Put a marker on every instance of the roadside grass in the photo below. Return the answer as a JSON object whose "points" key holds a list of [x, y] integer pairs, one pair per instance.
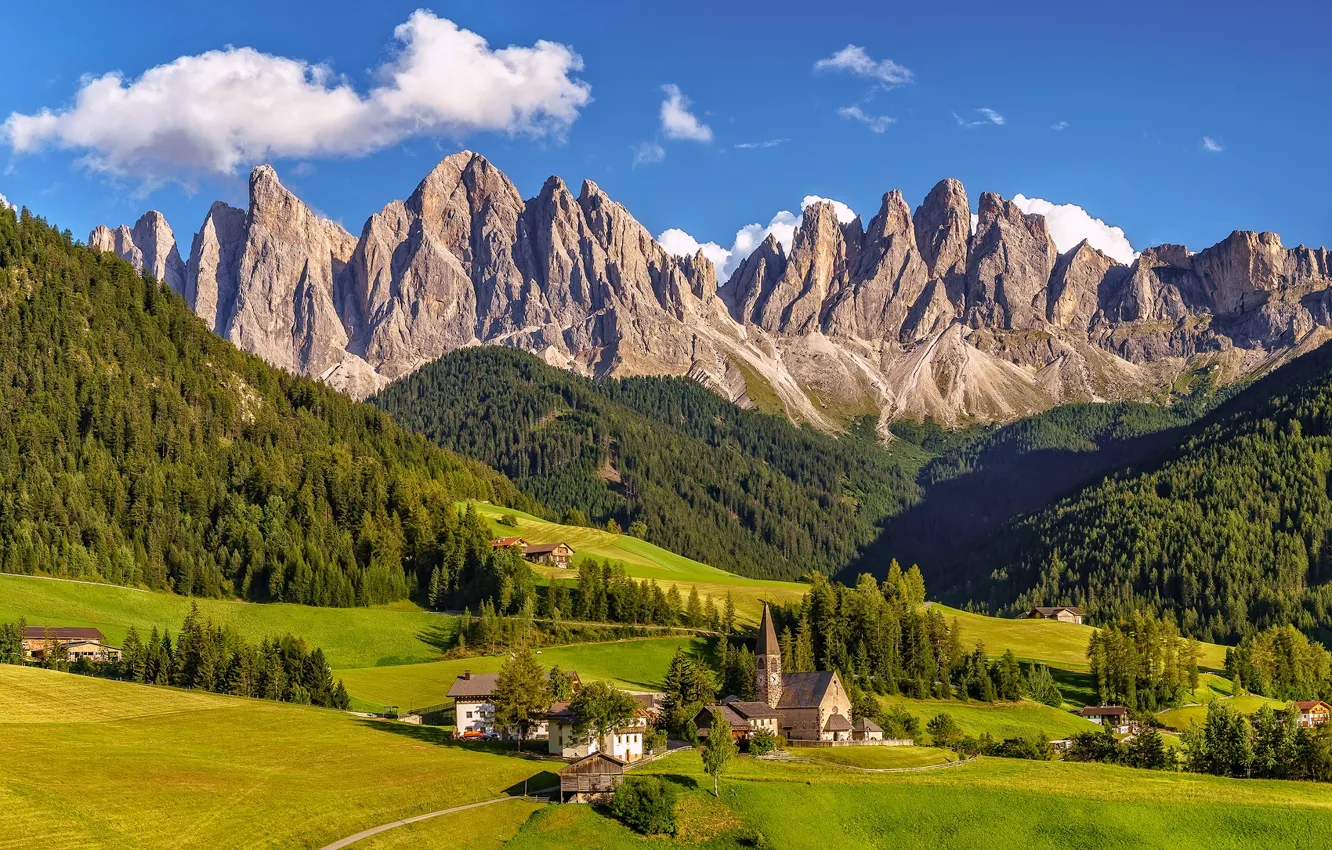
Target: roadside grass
{"points": [[1180, 718], [485, 828], [644, 560], [876, 758], [1000, 719], [93, 763], [399, 633], [635, 664]]}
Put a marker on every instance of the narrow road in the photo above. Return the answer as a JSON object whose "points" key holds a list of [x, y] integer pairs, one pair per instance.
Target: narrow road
{"points": [[352, 839]]}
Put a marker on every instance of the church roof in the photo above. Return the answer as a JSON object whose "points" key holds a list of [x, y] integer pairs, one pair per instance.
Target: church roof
{"points": [[767, 636], [837, 723], [805, 690]]}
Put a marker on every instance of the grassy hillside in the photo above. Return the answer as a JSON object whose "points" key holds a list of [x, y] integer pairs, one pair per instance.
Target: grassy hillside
{"points": [[91, 763], [646, 560], [1180, 718], [1000, 719]]}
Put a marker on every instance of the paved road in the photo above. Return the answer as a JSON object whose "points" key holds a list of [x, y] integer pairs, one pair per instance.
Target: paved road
{"points": [[352, 839]]}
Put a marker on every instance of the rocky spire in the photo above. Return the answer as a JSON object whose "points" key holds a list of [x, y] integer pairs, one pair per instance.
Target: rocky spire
{"points": [[1009, 267], [816, 269], [943, 233], [213, 271], [150, 247]]}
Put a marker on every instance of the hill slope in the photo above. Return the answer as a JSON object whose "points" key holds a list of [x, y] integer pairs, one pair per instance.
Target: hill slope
{"points": [[1226, 531], [142, 449], [741, 490]]}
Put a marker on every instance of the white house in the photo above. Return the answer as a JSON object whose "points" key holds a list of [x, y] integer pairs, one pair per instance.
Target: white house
{"points": [[625, 743], [1113, 717], [474, 707]]}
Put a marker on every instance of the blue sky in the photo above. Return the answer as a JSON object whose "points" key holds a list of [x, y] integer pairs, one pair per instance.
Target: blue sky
{"points": [[1136, 88]]}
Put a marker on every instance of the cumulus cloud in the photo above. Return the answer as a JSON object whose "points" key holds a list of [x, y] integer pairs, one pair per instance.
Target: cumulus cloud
{"points": [[1070, 224], [648, 153], [677, 122], [1212, 145], [5, 204], [1061, 125], [855, 60], [782, 226], [225, 109], [876, 123], [988, 117], [754, 146]]}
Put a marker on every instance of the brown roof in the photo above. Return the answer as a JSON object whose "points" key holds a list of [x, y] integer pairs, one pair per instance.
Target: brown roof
{"points": [[733, 718], [474, 685], [62, 633], [864, 724], [545, 548], [1308, 705], [1103, 711], [804, 690], [1054, 609], [589, 764], [767, 636], [837, 723], [751, 710]]}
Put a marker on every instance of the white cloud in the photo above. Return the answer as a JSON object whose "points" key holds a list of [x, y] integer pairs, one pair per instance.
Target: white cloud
{"points": [[677, 122], [988, 117], [1069, 224], [754, 146], [782, 226], [855, 60], [876, 123], [648, 153], [225, 109], [5, 204], [1212, 145], [1062, 125]]}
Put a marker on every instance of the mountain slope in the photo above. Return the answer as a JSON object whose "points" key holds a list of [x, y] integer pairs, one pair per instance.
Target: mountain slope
{"points": [[140, 448], [1227, 531], [741, 490], [908, 316]]}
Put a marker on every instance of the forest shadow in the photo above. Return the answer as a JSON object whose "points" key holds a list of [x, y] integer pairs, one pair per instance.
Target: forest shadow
{"points": [[440, 637], [442, 736]]}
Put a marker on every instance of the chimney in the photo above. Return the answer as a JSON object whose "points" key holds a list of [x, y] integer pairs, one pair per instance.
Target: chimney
{"points": [[467, 675]]}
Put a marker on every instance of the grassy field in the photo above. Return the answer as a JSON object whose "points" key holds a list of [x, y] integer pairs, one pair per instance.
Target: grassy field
{"points": [[1000, 719], [350, 637], [1180, 718], [634, 664], [93, 763], [484, 828], [875, 758], [645, 560], [993, 803]]}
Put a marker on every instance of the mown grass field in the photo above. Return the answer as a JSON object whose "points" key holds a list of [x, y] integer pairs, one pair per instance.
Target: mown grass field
{"points": [[645, 560], [634, 664], [1000, 719], [992, 803], [483, 828], [875, 758], [350, 637], [87, 763]]}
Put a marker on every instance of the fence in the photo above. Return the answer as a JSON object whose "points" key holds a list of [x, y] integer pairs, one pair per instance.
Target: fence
{"points": [[886, 742]]}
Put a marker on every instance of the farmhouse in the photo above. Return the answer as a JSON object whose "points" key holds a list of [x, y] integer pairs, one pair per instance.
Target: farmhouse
{"points": [[592, 778], [745, 718], [625, 743], [1062, 613], [510, 543], [1313, 713], [1113, 717], [474, 706], [81, 643], [554, 554]]}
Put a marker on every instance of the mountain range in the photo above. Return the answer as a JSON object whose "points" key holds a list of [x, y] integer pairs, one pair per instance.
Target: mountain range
{"points": [[913, 315]]}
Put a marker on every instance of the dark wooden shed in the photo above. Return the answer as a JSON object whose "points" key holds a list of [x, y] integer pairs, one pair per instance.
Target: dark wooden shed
{"points": [[591, 778]]}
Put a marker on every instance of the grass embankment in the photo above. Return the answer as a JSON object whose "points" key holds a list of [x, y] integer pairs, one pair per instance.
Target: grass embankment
{"points": [[645, 560], [996, 803], [638, 665], [94, 763], [350, 637]]}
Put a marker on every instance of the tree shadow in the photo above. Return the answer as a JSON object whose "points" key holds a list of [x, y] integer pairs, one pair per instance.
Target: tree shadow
{"points": [[441, 636], [1077, 688], [442, 736]]}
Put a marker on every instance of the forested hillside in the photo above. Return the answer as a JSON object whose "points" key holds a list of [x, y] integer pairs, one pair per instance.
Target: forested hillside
{"points": [[1228, 531], [741, 490], [137, 447]]}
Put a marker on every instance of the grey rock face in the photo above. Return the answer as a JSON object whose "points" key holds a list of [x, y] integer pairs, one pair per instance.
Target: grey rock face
{"points": [[212, 274], [150, 247], [1009, 267]]}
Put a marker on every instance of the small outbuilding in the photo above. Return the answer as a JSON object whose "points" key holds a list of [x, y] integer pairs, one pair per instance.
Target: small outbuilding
{"points": [[865, 729], [591, 779]]}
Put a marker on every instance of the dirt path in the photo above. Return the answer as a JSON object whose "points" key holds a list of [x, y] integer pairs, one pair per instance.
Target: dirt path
{"points": [[366, 833]]}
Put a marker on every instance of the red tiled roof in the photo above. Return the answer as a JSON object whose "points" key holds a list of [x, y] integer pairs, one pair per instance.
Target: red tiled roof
{"points": [[1309, 705]]}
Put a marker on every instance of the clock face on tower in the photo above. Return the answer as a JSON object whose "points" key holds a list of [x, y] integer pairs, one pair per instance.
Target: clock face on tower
{"points": [[774, 677]]}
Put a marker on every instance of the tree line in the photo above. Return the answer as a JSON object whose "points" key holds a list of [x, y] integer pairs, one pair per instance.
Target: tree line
{"points": [[1142, 663], [1281, 663]]}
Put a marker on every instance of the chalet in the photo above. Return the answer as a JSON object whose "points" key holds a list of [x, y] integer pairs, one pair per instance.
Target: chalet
{"points": [[865, 729], [592, 778], [744, 717], [1313, 713], [517, 543], [473, 697], [555, 554], [625, 743], [1113, 717], [98, 653], [1062, 613], [38, 639]]}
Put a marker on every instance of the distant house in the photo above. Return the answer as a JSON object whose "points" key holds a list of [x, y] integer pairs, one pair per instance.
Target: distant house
{"points": [[865, 729], [554, 554], [1113, 717], [81, 643], [473, 697], [592, 778], [1313, 713], [510, 543], [1062, 613], [563, 739]]}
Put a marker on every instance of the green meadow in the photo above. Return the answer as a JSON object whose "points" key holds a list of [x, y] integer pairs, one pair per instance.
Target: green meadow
{"points": [[1180, 718], [93, 763], [1000, 719]]}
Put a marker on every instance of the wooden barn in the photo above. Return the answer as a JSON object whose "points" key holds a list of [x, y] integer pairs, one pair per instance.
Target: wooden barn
{"points": [[592, 779]]}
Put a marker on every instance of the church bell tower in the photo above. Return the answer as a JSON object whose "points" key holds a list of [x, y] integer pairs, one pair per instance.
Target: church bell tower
{"points": [[768, 662]]}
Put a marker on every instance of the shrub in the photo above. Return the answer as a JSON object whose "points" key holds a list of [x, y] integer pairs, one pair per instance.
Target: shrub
{"points": [[646, 804], [509, 520], [899, 723], [654, 741], [1034, 747], [944, 731], [762, 742]]}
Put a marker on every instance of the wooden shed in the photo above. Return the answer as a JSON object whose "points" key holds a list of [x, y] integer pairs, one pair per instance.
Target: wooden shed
{"points": [[593, 778]]}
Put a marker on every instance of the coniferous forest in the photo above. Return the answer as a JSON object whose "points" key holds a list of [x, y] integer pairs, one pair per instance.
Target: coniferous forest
{"points": [[139, 448]]}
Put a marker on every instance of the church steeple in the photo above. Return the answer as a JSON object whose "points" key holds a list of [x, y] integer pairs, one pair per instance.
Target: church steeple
{"points": [[768, 662]]}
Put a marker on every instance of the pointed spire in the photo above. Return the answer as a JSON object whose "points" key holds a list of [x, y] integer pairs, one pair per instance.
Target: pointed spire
{"points": [[767, 636]]}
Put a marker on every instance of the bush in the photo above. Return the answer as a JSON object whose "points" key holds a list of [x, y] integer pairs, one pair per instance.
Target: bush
{"points": [[646, 804], [1034, 747], [654, 741], [762, 742], [899, 723], [510, 520], [944, 731]]}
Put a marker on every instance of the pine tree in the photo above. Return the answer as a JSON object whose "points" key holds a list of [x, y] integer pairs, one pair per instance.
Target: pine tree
{"points": [[522, 694]]}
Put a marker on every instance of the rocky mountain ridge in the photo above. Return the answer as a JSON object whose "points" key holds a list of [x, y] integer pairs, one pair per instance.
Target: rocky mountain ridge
{"points": [[911, 315]]}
